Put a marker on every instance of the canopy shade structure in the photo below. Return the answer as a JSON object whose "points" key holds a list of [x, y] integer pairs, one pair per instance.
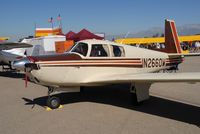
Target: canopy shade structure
{"points": [[69, 35], [84, 34]]}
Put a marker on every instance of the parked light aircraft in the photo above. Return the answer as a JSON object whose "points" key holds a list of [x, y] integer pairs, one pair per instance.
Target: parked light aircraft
{"points": [[3, 39], [149, 40], [100, 62], [158, 41], [10, 51]]}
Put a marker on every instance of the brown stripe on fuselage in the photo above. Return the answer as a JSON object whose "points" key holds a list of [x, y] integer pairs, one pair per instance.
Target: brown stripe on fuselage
{"points": [[93, 62], [174, 61], [57, 57], [113, 58], [76, 60], [101, 65], [72, 56]]}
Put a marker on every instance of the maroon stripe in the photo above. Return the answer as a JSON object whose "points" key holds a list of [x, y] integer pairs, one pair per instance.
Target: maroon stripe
{"points": [[57, 57], [107, 58], [69, 57], [128, 66], [114, 62]]}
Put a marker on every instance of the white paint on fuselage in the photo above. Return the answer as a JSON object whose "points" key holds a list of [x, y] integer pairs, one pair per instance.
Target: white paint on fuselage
{"points": [[7, 56], [81, 75]]}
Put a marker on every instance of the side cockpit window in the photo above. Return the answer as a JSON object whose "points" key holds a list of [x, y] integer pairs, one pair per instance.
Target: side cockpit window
{"points": [[81, 48], [99, 50], [117, 51]]}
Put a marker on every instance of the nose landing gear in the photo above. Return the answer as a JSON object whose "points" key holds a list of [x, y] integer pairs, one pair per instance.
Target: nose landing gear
{"points": [[53, 102]]}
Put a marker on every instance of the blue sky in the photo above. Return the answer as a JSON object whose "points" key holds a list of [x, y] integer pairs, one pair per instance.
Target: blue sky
{"points": [[109, 16]]}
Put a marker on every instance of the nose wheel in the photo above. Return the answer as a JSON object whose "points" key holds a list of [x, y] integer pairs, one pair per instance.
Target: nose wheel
{"points": [[53, 102]]}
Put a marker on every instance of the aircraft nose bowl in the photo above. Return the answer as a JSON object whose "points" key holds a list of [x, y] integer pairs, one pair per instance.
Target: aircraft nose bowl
{"points": [[20, 64]]}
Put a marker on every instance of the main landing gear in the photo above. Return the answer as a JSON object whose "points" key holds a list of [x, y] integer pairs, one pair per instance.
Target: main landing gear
{"points": [[134, 99], [139, 92], [53, 102]]}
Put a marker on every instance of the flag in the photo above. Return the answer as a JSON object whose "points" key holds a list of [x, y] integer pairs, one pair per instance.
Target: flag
{"points": [[59, 17], [50, 20]]}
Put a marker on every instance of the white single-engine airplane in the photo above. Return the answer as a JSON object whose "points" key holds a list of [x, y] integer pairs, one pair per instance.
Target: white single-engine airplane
{"points": [[10, 51], [100, 62]]}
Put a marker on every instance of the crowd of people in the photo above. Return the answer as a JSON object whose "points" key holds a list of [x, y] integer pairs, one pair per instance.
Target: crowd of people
{"points": [[193, 47]]}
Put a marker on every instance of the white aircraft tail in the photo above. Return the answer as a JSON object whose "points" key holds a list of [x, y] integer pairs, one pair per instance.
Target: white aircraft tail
{"points": [[35, 50]]}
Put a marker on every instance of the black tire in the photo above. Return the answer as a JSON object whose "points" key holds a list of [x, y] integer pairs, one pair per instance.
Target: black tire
{"points": [[53, 102], [134, 99], [82, 89]]}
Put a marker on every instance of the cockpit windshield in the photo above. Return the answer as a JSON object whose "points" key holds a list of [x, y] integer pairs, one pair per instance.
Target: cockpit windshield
{"points": [[81, 48]]}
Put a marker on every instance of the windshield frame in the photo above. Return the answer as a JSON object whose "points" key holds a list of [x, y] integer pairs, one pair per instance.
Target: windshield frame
{"points": [[81, 51]]}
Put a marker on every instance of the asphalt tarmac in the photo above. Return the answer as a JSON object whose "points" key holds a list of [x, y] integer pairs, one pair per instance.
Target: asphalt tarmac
{"points": [[173, 108]]}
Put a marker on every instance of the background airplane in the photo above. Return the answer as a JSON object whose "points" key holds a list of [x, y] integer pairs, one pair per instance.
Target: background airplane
{"points": [[100, 62], [187, 42], [10, 51], [147, 40], [2, 39]]}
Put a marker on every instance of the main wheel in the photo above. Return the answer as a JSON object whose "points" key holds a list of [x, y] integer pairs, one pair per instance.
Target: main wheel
{"points": [[82, 89], [134, 99], [53, 102]]}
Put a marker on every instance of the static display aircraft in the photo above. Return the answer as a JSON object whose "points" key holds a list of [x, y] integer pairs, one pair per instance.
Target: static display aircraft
{"points": [[10, 51], [99, 62], [2, 39]]}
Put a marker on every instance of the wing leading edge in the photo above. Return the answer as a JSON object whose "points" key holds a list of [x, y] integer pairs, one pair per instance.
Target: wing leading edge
{"points": [[147, 78], [11, 45]]}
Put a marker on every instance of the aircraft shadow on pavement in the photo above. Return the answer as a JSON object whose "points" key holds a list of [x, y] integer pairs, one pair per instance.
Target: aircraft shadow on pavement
{"points": [[11, 74], [120, 97]]}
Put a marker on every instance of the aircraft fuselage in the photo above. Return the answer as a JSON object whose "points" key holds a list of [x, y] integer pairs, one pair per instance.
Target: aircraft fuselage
{"points": [[75, 69]]}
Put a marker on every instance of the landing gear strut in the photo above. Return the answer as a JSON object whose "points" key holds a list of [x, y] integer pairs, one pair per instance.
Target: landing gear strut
{"points": [[134, 99], [53, 102], [139, 92]]}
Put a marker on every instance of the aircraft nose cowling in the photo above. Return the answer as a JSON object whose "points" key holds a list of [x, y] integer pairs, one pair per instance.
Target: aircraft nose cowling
{"points": [[20, 64]]}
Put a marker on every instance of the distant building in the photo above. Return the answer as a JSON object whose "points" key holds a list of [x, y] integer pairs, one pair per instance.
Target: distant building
{"points": [[43, 45]]}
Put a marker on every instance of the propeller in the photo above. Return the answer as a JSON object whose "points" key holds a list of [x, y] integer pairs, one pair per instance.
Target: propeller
{"points": [[28, 67]]}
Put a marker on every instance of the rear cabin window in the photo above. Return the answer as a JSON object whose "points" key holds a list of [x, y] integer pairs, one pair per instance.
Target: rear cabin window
{"points": [[117, 51], [99, 50], [81, 48]]}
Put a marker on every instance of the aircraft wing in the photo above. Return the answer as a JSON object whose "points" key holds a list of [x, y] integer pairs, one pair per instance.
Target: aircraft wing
{"points": [[11, 45], [184, 55], [147, 78]]}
